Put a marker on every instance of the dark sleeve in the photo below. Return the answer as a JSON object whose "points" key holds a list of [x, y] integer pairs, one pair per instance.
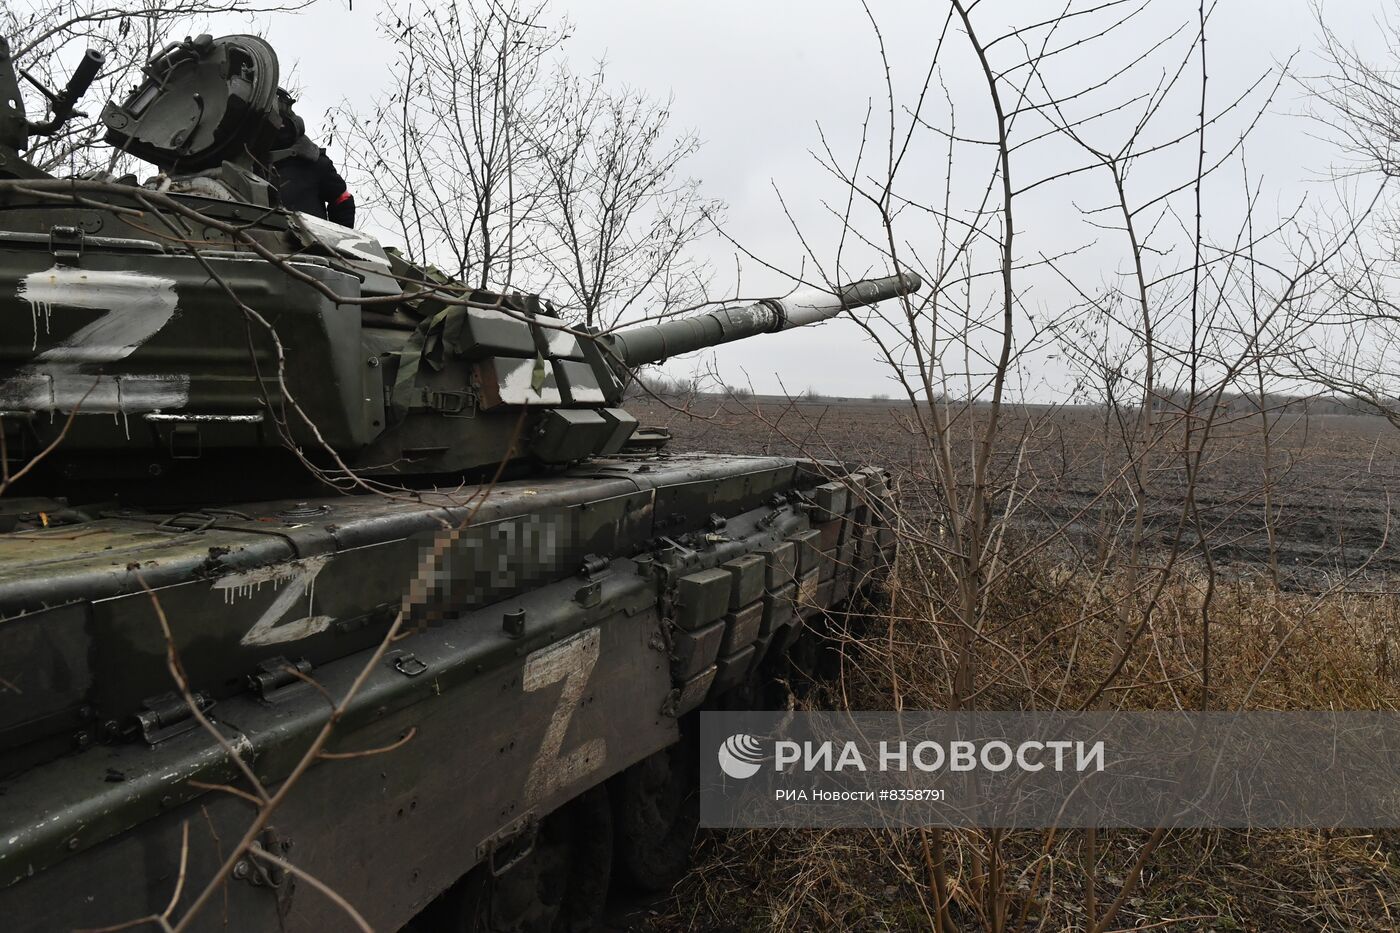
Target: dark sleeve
{"points": [[340, 203]]}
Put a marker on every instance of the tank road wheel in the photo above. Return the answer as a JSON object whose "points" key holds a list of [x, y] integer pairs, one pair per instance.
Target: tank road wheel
{"points": [[657, 813], [560, 886]]}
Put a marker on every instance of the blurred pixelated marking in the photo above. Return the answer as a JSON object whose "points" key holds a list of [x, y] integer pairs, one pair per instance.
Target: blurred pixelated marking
{"points": [[571, 661], [300, 579], [505, 556]]}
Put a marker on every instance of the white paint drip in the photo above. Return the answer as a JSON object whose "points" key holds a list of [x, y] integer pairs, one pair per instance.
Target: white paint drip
{"points": [[105, 393], [36, 310], [137, 306], [300, 579]]}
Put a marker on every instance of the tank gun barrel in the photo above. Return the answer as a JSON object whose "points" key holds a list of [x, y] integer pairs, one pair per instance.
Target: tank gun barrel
{"points": [[651, 343]]}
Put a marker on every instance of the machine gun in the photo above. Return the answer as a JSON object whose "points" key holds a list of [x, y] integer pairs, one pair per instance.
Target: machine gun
{"points": [[16, 128]]}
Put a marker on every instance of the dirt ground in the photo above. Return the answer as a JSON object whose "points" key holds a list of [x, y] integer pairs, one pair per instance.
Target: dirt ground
{"points": [[1331, 486]]}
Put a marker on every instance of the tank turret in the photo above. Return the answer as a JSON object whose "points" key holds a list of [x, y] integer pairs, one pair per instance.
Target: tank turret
{"points": [[188, 329]]}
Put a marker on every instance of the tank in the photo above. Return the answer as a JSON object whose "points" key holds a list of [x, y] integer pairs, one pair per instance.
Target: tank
{"points": [[320, 572]]}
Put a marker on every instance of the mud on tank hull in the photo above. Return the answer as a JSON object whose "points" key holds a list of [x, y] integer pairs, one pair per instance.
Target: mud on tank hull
{"points": [[564, 637]]}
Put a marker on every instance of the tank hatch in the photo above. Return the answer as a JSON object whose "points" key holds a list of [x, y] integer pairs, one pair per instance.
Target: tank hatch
{"points": [[204, 101]]}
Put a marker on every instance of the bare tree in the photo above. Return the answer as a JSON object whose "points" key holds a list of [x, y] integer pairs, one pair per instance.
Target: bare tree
{"points": [[496, 162], [1350, 347], [619, 220], [445, 153]]}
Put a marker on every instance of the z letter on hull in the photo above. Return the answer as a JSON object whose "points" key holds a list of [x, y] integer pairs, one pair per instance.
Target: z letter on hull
{"points": [[137, 306], [571, 661], [297, 581]]}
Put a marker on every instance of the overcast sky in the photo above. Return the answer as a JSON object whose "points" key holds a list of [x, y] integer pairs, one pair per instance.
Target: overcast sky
{"points": [[754, 79]]}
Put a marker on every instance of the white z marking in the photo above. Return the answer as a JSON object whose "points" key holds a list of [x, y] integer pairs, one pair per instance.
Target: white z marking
{"points": [[137, 306], [571, 661], [300, 579]]}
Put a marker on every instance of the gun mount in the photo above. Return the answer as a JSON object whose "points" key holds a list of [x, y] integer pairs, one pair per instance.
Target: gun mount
{"points": [[16, 128]]}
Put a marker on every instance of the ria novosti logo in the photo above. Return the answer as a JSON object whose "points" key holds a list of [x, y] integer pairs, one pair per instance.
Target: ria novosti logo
{"points": [[740, 756]]}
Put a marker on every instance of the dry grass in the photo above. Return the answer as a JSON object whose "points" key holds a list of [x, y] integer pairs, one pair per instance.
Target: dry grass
{"points": [[1056, 627], [1272, 650], [1196, 880]]}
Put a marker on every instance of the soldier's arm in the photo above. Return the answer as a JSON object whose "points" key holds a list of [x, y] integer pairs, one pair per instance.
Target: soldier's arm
{"points": [[340, 203]]}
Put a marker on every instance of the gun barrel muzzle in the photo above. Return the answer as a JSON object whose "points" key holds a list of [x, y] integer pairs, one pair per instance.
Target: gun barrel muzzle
{"points": [[812, 305], [83, 75], [652, 343]]}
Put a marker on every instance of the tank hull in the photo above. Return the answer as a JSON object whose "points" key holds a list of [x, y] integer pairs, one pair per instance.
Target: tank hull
{"points": [[565, 629]]}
